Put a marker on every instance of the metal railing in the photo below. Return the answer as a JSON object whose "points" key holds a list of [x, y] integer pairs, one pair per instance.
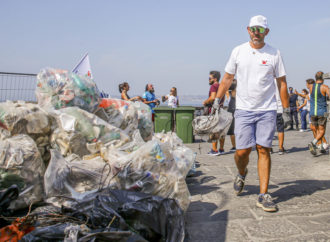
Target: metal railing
{"points": [[17, 86]]}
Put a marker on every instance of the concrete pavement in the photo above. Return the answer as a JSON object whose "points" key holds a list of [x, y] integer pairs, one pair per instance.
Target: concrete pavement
{"points": [[299, 184]]}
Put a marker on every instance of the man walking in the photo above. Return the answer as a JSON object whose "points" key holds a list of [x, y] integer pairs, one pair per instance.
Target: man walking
{"points": [[293, 108], [318, 110], [255, 65], [214, 78]]}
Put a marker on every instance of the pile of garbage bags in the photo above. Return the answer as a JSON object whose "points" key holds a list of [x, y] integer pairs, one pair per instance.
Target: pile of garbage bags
{"points": [[96, 160]]}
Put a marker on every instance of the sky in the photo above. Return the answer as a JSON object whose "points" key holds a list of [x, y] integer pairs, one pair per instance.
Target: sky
{"points": [[166, 43]]}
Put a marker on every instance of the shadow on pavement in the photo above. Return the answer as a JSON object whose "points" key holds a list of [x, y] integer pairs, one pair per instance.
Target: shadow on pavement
{"points": [[299, 188], [195, 185], [252, 189], [297, 149], [202, 224]]}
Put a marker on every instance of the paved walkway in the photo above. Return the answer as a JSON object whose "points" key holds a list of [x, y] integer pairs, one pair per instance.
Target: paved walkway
{"points": [[299, 184]]}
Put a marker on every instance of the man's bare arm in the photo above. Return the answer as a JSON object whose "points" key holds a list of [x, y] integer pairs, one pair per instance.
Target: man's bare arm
{"points": [[325, 90], [210, 99], [224, 84], [283, 89]]}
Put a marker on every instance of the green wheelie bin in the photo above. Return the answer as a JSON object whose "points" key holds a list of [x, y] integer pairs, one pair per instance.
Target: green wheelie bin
{"points": [[184, 117], [163, 119]]}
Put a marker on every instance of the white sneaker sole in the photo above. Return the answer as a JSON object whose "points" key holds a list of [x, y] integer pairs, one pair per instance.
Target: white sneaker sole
{"points": [[266, 209]]}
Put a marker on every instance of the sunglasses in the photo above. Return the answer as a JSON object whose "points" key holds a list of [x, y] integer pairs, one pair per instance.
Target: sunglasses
{"points": [[261, 30]]}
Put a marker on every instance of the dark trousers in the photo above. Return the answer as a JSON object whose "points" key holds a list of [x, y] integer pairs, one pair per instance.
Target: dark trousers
{"points": [[303, 115], [294, 115]]}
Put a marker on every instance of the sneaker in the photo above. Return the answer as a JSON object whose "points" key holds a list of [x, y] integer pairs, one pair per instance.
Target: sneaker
{"points": [[322, 150], [214, 153], [233, 149], [239, 183], [281, 151], [312, 148], [325, 146], [301, 130], [265, 202], [221, 152]]}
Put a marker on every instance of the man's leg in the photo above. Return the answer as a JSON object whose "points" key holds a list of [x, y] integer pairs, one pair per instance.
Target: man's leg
{"points": [[291, 115], [232, 138], [222, 144], [313, 128], [280, 140], [295, 114], [245, 140], [215, 146], [265, 130], [242, 160], [317, 138], [280, 131], [320, 132], [264, 165]]}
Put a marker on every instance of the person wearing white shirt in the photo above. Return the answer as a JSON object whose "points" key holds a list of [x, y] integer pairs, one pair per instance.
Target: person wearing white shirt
{"points": [[256, 65], [172, 98]]}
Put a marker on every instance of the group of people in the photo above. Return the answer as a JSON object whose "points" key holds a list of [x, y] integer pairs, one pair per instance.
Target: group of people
{"points": [[149, 98], [254, 84], [263, 105]]}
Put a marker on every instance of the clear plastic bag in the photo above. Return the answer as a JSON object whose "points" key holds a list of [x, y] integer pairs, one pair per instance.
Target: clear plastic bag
{"points": [[182, 155], [121, 114], [214, 126], [150, 169], [60, 88], [77, 178], [82, 133], [145, 124], [21, 164], [24, 118]]}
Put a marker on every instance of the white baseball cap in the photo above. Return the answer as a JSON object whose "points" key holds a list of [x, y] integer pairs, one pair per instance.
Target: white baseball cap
{"points": [[258, 20]]}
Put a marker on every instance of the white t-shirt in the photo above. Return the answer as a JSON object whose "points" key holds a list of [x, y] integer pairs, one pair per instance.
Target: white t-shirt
{"points": [[278, 100], [172, 101], [255, 71], [308, 103]]}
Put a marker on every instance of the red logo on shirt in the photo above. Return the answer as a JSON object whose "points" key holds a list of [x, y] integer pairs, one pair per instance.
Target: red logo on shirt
{"points": [[264, 62]]}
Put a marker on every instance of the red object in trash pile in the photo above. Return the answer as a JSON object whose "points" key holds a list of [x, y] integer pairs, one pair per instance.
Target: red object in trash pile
{"points": [[15, 231]]}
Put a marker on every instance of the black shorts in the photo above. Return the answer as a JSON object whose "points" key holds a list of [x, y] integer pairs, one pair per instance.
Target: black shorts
{"points": [[319, 120], [231, 128], [279, 123]]}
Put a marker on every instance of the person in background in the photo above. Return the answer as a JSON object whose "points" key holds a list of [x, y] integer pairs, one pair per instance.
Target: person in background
{"points": [[214, 78], [322, 142], [172, 98], [280, 124], [303, 110], [231, 109], [319, 93], [293, 108], [149, 98], [123, 89]]}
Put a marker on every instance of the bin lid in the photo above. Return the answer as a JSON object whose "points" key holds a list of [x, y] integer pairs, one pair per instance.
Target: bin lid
{"points": [[185, 108], [164, 109]]}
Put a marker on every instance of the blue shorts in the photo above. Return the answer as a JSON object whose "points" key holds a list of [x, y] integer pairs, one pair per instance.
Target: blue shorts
{"points": [[254, 127]]}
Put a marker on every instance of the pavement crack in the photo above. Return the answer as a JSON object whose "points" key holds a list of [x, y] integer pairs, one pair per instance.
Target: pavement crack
{"points": [[296, 226], [230, 172], [255, 215]]}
